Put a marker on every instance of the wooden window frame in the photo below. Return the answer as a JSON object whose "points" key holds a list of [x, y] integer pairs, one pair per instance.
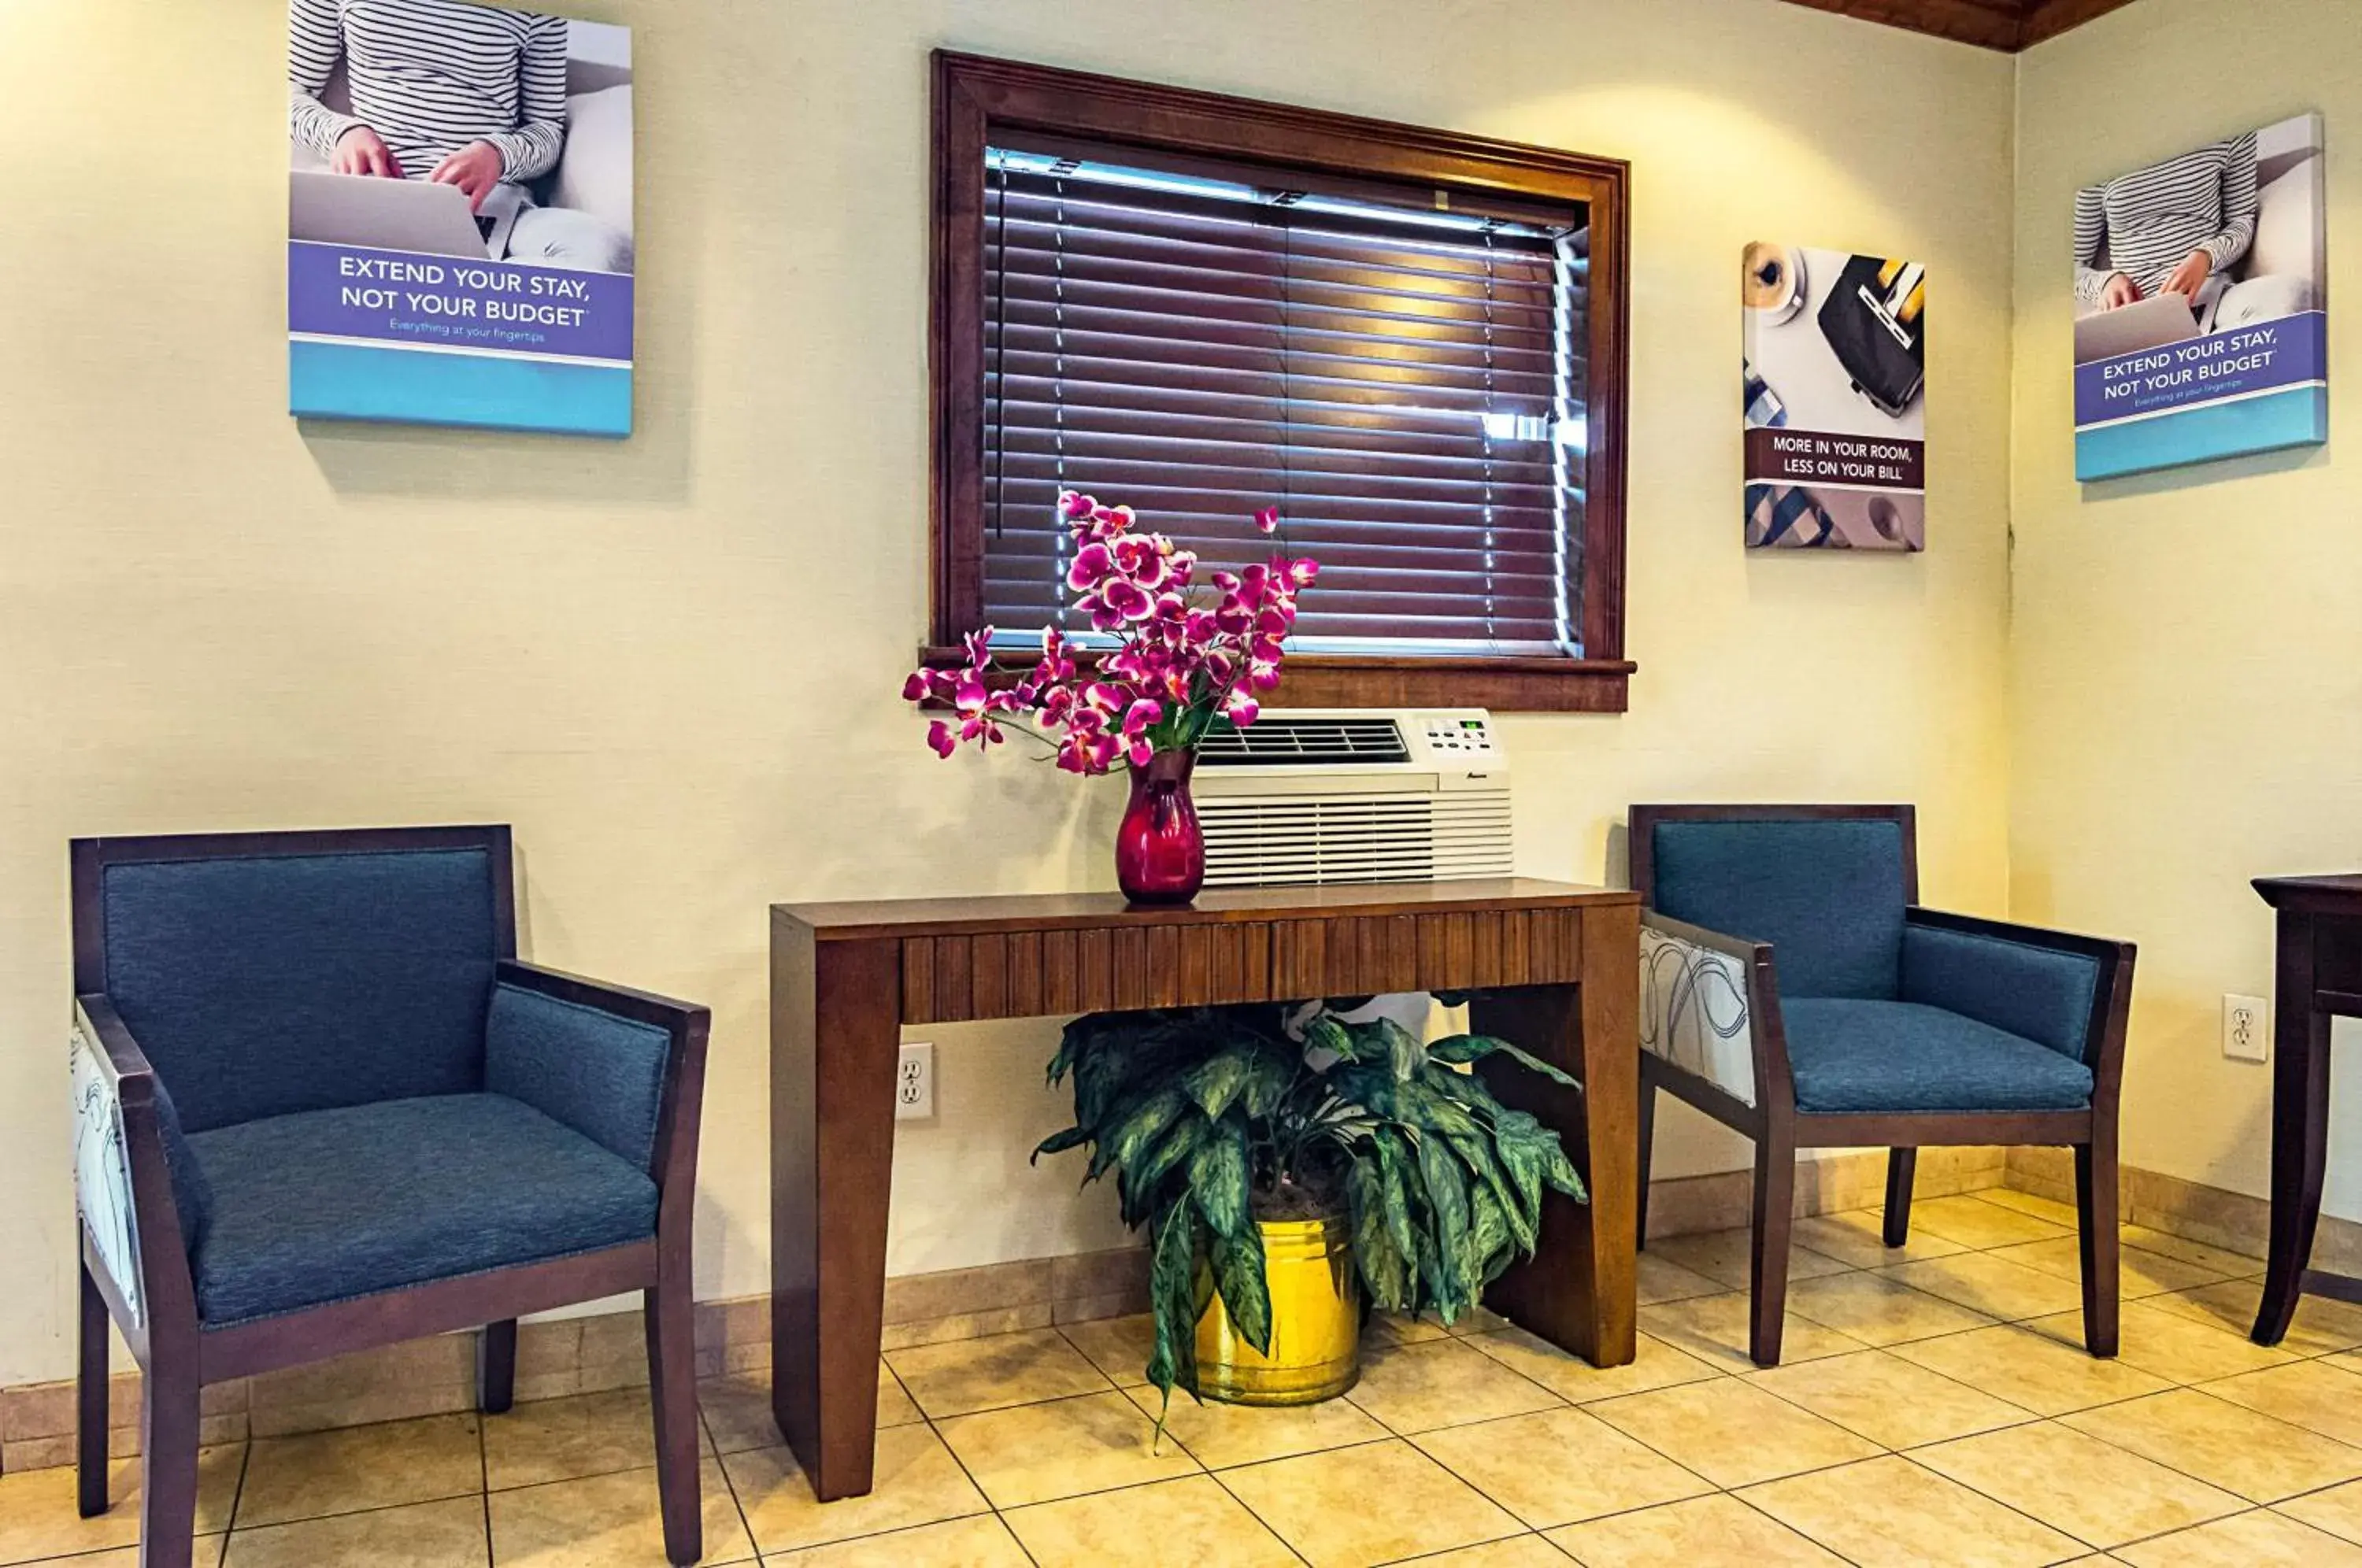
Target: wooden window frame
{"points": [[975, 96]]}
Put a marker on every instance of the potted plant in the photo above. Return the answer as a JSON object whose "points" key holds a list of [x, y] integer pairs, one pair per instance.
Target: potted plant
{"points": [[1167, 659], [1283, 1174]]}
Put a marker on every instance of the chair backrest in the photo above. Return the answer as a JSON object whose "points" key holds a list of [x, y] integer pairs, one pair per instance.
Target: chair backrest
{"points": [[1827, 885], [265, 974]]}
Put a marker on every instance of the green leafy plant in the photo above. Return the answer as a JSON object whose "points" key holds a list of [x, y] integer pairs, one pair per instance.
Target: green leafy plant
{"points": [[1214, 1118]]}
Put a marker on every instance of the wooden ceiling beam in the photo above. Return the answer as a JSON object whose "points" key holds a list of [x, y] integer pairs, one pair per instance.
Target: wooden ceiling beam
{"points": [[2005, 25]]}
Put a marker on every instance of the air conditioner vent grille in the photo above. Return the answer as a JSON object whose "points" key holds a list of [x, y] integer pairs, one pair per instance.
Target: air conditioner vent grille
{"points": [[1312, 841], [1281, 741]]}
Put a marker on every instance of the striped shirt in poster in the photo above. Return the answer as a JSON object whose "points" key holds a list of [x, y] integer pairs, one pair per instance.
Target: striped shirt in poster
{"points": [[430, 76], [2151, 220]]}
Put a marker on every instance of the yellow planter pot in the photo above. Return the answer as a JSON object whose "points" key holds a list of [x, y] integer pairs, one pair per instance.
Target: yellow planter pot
{"points": [[1316, 1323]]}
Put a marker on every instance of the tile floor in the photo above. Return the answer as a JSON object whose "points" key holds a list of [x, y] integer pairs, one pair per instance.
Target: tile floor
{"points": [[1935, 1408]]}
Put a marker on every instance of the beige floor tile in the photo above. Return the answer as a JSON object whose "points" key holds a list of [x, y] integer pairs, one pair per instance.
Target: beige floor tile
{"points": [[2314, 1394], [1518, 1551], [1417, 1387], [1891, 1513], [38, 1517], [1559, 1467], [1732, 1434], [2030, 1370], [1714, 1330], [561, 1440], [2138, 1273], [917, 1482], [1478, 1319], [1974, 1222], [614, 1520], [1353, 1507], [1723, 1257], [1878, 1311], [1119, 1347], [1661, 1279], [1858, 1237], [1033, 1454], [965, 1376], [360, 1467], [982, 1542], [2178, 1349], [1393, 1328], [2245, 1542], [2096, 1493], [1655, 1365], [2239, 1450], [1221, 1435], [2227, 1265], [1986, 1282], [1892, 1402], [447, 1534], [2050, 1208], [1717, 1531], [1191, 1520], [2337, 1509], [739, 1409], [2321, 1327]]}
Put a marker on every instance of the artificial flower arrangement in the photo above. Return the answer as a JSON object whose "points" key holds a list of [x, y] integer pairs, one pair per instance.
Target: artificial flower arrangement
{"points": [[1187, 653]]}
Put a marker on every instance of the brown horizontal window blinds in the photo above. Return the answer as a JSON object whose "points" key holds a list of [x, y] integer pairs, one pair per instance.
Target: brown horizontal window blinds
{"points": [[1408, 389]]}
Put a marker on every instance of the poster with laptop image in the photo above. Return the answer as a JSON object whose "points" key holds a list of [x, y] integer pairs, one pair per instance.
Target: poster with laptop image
{"points": [[459, 216], [1835, 381], [2201, 329]]}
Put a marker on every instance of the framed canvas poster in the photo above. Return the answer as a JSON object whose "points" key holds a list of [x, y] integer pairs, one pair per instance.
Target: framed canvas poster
{"points": [[2201, 306], [459, 243], [1835, 377]]}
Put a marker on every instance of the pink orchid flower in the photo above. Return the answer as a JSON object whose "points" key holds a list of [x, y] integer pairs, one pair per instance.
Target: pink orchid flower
{"points": [[1266, 519]]}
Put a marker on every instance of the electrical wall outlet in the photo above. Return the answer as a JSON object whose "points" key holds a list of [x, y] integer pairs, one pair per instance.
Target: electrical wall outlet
{"points": [[2245, 1022], [914, 1083]]}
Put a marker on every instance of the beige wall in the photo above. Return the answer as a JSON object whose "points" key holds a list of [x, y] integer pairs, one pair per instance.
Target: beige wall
{"points": [[2186, 648], [672, 663]]}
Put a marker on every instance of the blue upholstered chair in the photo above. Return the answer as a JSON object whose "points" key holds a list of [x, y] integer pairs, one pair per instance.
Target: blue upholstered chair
{"points": [[1882, 1024], [322, 1107]]}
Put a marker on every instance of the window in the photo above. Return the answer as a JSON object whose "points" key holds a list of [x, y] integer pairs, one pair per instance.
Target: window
{"points": [[1409, 341]]}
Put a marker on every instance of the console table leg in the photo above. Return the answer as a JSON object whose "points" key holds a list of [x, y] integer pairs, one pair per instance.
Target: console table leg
{"points": [[2299, 1153], [835, 1028], [1578, 1290]]}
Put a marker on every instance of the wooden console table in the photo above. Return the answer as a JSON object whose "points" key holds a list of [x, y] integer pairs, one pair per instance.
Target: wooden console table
{"points": [[1559, 963], [2317, 976]]}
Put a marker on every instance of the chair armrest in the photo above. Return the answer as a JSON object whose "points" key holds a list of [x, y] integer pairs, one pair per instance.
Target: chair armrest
{"points": [[1700, 993], [138, 1189], [2070, 992], [625, 1069]]}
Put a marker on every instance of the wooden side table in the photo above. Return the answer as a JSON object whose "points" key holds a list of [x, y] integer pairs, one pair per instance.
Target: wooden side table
{"points": [[1559, 964], [2317, 976]]}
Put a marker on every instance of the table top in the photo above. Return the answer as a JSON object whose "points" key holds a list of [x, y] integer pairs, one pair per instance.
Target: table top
{"points": [[2336, 894], [863, 919]]}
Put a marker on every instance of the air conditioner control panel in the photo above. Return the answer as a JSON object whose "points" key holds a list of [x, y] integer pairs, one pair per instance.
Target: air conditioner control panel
{"points": [[1466, 734]]}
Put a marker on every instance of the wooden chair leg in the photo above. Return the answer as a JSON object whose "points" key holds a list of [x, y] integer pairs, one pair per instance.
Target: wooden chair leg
{"points": [[1648, 1145], [496, 1367], [90, 1401], [2095, 1205], [1775, 1209], [1901, 1165], [168, 1458], [672, 1390]]}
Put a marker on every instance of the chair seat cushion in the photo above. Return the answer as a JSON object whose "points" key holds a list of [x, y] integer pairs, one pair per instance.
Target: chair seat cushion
{"points": [[1852, 1055], [326, 1205]]}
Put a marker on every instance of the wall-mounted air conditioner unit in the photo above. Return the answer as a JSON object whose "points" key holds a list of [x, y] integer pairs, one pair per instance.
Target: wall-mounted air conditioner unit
{"points": [[1310, 795]]}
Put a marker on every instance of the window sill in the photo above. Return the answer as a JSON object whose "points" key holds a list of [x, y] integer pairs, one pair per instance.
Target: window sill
{"points": [[1527, 685]]}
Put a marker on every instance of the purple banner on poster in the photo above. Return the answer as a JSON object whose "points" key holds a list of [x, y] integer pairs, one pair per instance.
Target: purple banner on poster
{"points": [[2232, 362], [442, 301]]}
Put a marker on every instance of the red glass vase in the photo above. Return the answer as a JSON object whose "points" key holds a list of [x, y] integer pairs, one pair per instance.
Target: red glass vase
{"points": [[1160, 851]]}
